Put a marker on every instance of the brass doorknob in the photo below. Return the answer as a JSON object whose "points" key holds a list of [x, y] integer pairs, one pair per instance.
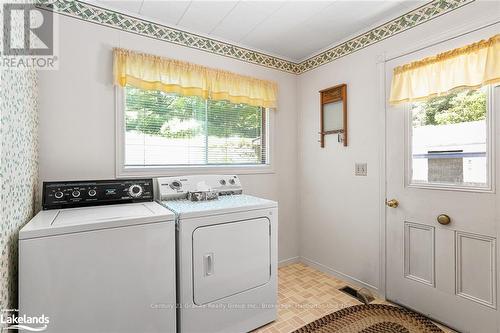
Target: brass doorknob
{"points": [[443, 219], [393, 203]]}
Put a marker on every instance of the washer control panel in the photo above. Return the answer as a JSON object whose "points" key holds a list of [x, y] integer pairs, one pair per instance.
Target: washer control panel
{"points": [[96, 192], [169, 188]]}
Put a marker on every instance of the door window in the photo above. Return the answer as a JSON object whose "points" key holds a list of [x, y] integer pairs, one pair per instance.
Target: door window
{"points": [[449, 141]]}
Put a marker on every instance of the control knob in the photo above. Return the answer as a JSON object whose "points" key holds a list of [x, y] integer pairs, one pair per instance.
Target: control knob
{"points": [[175, 185], [75, 193], [92, 193], [135, 191], [58, 195]]}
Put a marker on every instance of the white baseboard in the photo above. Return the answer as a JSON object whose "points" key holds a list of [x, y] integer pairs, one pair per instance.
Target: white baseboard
{"points": [[328, 270], [288, 261], [339, 275]]}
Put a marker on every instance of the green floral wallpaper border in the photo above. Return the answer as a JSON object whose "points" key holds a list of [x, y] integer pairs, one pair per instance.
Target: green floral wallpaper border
{"points": [[95, 14]]}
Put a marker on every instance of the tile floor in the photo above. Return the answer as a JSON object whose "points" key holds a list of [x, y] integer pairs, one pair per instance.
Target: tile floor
{"points": [[306, 294]]}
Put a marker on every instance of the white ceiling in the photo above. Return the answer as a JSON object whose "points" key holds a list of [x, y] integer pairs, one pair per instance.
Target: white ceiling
{"points": [[293, 30]]}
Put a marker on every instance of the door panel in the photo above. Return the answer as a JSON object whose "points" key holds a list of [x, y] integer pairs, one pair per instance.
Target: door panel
{"points": [[419, 253], [230, 258], [476, 267], [442, 166]]}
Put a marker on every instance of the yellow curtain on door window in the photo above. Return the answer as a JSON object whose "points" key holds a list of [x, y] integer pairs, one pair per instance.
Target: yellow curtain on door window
{"points": [[470, 66], [151, 72]]}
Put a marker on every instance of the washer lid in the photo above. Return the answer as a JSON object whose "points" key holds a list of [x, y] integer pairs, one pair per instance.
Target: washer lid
{"points": [[223, 205], [70, 220]]}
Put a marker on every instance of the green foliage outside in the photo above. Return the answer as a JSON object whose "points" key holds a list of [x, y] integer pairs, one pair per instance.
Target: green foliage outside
{"points": [[172, 116], [456, 107]]}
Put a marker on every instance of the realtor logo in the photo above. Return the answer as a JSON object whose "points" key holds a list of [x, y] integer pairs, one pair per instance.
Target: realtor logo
{"points": [[36, 36], [11, 320], [28, 36]]}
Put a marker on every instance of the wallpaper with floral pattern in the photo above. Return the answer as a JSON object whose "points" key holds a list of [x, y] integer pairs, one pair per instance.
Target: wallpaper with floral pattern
{"points": [[18, 170]]}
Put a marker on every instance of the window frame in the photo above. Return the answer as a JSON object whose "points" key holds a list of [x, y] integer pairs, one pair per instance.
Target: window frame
{"points": [[490, 152], [121, 170]]}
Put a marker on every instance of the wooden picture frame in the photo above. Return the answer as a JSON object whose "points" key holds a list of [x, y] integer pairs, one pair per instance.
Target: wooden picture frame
{"points": [[333, 113]]}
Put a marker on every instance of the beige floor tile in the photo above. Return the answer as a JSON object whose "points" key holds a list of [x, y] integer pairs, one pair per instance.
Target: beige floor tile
{"points": [[306, 294]]}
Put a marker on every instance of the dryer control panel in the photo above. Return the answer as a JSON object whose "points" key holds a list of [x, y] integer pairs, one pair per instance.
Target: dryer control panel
{"points": [[169, 188], [58, 195]]}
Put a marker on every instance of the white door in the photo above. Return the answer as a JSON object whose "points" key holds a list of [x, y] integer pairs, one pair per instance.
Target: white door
{"points": [[440, 161]]}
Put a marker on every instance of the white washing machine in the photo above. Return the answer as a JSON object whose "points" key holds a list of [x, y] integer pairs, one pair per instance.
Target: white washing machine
{"points": [[226, 254], [99, 268]]}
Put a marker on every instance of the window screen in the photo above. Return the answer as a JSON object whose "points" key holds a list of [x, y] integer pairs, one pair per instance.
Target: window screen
{"points": [[169, 130]]}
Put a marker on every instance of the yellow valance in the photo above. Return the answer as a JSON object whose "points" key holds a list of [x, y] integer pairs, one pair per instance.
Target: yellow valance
{"points": [[470, 66], [151, 72]]}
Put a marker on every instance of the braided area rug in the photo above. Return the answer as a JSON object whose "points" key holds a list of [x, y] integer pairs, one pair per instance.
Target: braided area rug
{"points": [[371, 318]]}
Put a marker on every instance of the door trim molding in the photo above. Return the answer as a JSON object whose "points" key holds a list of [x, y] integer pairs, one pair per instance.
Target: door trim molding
{"points": [[450, 34], [381, 68]]}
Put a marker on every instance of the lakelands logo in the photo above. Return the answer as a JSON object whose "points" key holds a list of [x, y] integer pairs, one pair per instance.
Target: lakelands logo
{"points": [[28, 37], [11, 321]]}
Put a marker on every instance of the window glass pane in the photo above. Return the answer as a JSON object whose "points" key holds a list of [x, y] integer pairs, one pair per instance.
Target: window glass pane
{"points": [[234, 133], [449, 140], [163, 129], [168, 130]]}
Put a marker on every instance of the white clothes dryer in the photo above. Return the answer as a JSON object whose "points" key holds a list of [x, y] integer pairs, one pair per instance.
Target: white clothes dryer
{"points": [[226, 254]]}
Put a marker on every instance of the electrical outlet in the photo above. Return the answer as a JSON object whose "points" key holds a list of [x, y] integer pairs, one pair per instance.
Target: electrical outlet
{"points": [[360, 169]]}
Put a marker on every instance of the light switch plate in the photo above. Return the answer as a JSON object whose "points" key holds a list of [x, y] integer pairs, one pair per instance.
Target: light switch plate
{"points": [[360, 169]]}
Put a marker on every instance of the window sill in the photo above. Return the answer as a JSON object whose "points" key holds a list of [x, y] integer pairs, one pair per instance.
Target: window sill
{"points": [[162, 171]]}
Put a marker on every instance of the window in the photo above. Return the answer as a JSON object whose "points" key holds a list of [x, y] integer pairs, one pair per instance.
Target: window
{"points": [[449, 140], [167, 130]]}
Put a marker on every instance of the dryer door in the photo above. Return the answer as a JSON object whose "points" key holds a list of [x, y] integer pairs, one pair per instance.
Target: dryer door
{"points": [[230, 258]]}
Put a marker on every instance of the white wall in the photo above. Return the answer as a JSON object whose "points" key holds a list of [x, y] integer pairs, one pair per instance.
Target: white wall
{"points": [[335, 213], [77, 115], [339, 213]]}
